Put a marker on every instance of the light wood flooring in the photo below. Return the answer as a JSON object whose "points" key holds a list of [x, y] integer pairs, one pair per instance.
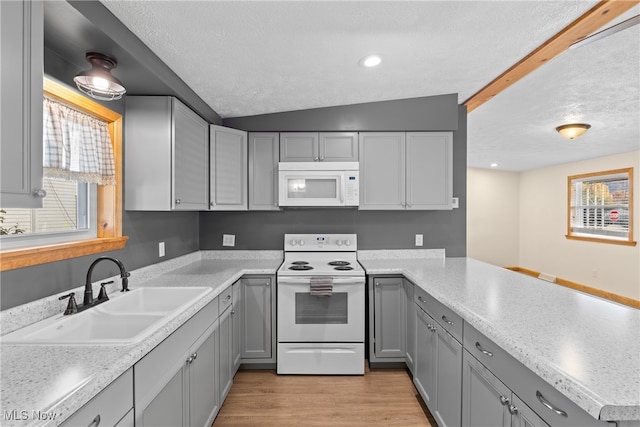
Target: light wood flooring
{"points": [[382, 397]]}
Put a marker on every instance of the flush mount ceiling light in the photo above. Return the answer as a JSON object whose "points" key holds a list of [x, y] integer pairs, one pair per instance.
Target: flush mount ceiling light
{"points": [[573, 130], [370, 61], [98, 82]]}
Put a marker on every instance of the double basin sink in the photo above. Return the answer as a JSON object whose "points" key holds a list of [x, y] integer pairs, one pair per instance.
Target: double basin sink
{"points": [[127, 318]]}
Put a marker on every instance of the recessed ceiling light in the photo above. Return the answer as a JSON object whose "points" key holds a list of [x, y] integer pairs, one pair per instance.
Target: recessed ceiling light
{"points": [[370, 61], [494, 165]]}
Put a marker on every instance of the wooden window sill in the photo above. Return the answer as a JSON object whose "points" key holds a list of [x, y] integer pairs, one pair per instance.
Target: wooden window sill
{"points": [[26, 257], [599, 240]]}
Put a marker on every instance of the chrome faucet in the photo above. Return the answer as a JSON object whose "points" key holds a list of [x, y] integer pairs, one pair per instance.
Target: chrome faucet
{"points": [[88, 289]]}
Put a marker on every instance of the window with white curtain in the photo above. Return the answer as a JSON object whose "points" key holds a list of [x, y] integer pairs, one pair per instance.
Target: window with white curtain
{"points": [[77, 155], [601, 205]]}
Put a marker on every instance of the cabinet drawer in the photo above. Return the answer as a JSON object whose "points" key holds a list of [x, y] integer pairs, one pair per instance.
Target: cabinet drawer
{"points": [[109, 406], [555, 408], [449, 320], [225, 299]]}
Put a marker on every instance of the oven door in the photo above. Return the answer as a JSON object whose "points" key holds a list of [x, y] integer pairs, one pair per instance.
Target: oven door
{"points": [[303, 317], [311, 188]]}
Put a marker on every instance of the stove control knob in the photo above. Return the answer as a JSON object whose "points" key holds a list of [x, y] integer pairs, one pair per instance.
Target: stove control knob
{"points": [[293, 242], [339, 242], [347, 242], [300, 242]]}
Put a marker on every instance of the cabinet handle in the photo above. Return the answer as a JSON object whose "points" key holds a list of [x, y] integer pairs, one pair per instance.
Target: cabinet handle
{"points": [[447, 320], [377, 284], [482, 350], [227, 298], [267, 284], [322, 158], [505, 400], [195, 356], [549, 406], [40, 192], [191, 358], [513, 409], [212, 204], [178, 201], [233, 312], [315, 159], [408, 205], [431, 327]]}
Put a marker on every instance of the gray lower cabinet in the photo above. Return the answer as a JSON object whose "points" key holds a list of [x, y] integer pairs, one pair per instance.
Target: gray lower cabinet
{"points": [[438, 369], [389, 308], [406, 171], [113, 406], [319, 147], [226, 353], [177, 383], [487, 401], [258, 320], [22, 62], [264, 155], [236, 329], [410, 325], [167, 155], [228, 169]]}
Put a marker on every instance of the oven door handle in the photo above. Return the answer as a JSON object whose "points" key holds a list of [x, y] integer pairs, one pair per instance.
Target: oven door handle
{"points": [[307, 281]]}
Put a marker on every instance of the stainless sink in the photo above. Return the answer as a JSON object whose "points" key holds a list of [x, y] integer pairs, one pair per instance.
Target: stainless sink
{"points": [[126, 319]]}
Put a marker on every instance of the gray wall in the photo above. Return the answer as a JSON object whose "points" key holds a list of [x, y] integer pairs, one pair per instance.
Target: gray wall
{"points": [[375, 229]]}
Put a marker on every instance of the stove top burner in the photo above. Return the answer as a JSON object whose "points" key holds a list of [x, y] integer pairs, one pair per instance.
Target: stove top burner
{"points": [[339, 263], [300, 267], [299, 263], [343, 268]]}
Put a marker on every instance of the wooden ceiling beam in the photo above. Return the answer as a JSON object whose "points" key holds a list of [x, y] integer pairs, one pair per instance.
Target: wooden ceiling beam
{"points": [[591, 21]]}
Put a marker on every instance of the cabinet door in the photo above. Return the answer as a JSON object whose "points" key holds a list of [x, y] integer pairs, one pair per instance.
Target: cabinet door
{"points": [[299, 147], [264, 154], [204, 378], [168, 407], [338, 146], [236, 316], [256, 318], [425, 365], [190, 134], [523, 416], [382, 170], [228, 169], [484, 396], [429, 170], [22, 59], [226, 354], [389, 317], [410, 326], [448, 379]]}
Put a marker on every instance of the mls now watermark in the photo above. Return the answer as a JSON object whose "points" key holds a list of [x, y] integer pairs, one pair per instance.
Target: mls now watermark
{"points": [[24, 415]]}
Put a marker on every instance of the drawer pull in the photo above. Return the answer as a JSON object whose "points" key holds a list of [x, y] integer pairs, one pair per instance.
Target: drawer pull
{"points": [[549, 406], [431, 327], [95, 422], [505, 400], [482, 350], [447, 320], [227, 298], [513, 410]]}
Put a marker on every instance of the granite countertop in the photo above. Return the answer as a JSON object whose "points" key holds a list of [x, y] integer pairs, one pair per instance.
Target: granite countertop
{"points": [[587, 347], [57, 380]]}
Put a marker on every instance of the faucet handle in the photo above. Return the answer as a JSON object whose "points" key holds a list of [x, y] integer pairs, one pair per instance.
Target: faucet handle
{"points": [[102, 296], [72, 307]]}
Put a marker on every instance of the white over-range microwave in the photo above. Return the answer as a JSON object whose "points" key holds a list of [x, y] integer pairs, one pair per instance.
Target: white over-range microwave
{"points": [[318, 184]]}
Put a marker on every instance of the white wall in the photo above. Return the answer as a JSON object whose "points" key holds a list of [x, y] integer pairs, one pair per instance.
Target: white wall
{"points": [[543, 226], [493, 216], [537, 240]]}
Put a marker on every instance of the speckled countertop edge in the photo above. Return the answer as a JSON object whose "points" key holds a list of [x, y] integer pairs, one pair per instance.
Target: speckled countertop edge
{"points": [[102, 364], [585, 398]]}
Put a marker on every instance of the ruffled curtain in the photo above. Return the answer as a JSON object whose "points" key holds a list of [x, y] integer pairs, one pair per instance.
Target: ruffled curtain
{"points": [[77, 146]]}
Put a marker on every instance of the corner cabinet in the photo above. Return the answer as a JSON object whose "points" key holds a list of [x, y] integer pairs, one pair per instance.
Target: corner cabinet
{"points": [[22, 62], [319, 147], [264, 154], [387, 308], [166, 155], [406, 171], [228, 177]]}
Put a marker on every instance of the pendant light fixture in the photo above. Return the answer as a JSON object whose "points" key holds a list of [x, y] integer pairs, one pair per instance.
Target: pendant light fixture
{"points": [[573, 130], [98, 82]]}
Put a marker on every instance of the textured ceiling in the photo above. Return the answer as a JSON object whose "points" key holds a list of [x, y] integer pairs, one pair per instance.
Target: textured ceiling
{"points": [[246, 58]]}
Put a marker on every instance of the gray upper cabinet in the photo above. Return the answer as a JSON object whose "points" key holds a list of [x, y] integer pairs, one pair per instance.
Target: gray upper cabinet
{"points": [[166, 155], [406, 171], [319, 147], [264, 154], [22, 59], [228, 169]]}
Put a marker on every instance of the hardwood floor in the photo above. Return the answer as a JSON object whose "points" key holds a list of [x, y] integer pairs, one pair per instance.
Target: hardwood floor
{"points": [[382, 397]]}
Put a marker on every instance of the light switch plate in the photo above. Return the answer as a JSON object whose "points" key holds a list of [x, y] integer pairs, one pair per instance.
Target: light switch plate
{"points": [[455, 203], [228, 240], [161, 249], [419, 241]]}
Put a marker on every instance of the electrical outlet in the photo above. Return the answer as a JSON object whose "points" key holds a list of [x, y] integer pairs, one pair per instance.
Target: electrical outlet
{"points": [[419, 240], [161, 249], [455, 203], [228, 240]]}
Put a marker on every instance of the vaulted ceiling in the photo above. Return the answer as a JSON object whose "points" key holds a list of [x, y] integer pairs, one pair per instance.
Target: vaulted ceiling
{"points": [[253, 57]]}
